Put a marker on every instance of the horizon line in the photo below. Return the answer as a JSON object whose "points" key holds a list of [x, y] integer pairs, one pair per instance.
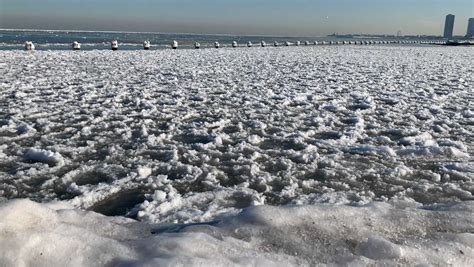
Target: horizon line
{"points": [[222, 34]]}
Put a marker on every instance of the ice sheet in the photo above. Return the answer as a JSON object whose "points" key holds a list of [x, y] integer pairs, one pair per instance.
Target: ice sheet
{"points": [[188, 136]]}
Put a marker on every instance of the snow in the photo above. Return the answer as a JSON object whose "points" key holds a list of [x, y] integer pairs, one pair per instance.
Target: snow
{"points": [[375, 234], [237, 136]]}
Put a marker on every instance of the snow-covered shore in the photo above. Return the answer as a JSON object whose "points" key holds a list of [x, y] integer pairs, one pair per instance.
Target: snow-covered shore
{"points": [[198, 136], [379, 234]]}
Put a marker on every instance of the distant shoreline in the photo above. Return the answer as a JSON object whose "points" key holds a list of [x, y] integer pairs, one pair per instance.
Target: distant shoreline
{"points": [[336, 36], [174, 33]]}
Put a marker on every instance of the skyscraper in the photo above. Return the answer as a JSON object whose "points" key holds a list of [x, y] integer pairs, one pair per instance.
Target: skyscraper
{"points": [[449, 26], [470, 28]]}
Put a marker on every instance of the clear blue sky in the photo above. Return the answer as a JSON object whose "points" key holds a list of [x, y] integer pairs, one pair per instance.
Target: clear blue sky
{"points": [[270, 17]]}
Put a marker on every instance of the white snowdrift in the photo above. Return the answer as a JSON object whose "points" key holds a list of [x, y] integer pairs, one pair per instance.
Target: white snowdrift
{"points": [[378, 233]]}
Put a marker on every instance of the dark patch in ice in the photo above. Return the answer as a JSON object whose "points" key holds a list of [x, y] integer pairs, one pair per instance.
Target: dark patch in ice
{"points": [[231, 129], [9, 167], [259, 187], [8, 134], [281, 143], [361, 106], [194, 138], [176, 228], [121, 203], [350, 120], [5, 121], [92, 178], [390, 101], [330, 135]]}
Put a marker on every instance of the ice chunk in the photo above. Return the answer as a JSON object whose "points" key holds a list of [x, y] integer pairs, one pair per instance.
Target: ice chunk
{"points": [[144, 171], [44, 156]]}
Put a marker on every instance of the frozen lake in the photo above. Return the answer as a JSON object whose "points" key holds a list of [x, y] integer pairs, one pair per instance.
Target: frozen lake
{"points": [[195, 136]]}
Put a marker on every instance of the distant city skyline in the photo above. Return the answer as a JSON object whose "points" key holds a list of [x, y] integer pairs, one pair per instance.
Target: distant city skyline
{"points": [[247, 17]]}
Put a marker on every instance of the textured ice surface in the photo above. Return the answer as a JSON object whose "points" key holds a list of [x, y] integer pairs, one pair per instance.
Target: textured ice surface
{"points": [[187, 136], [378, 234]]}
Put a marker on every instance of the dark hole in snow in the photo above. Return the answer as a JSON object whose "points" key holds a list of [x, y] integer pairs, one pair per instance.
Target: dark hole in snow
{"points": [[121, 203]]}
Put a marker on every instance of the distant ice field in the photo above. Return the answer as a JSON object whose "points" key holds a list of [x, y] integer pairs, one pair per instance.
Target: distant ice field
{"points": [[191, 135]]}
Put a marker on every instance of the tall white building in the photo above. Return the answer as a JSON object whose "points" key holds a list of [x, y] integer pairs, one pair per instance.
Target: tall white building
{"points": [[449, 26], [470, 28]]}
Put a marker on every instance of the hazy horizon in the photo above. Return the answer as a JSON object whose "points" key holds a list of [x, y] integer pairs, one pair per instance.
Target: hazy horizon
{"points": [[246, 17]]}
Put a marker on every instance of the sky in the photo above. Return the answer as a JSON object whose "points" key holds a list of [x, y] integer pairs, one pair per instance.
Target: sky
{"points": [[246, 17]]}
